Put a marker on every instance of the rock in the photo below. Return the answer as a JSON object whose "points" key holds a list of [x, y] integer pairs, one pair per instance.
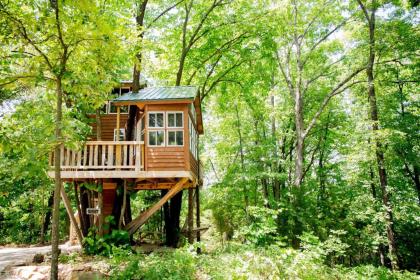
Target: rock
{"points": [[38, 258]]}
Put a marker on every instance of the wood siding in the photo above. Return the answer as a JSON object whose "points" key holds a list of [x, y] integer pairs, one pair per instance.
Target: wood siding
{"points": [[168, 158], [194, 165], [109, 123]]}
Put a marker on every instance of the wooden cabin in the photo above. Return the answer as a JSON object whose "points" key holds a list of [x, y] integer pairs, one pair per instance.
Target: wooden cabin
{"points": [[161, 154]]}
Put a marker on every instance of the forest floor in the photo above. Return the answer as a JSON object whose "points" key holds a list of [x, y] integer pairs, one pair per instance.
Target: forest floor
{"points": [[21, 256]]}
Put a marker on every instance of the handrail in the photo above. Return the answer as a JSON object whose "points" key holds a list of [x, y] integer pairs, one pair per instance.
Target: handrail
{"points": [[103, 155]]}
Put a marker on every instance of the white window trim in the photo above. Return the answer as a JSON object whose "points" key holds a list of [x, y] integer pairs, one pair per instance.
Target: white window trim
{"points": [[122, 132], [157, 127], [175, 130], [167, 119], [156, 130]]}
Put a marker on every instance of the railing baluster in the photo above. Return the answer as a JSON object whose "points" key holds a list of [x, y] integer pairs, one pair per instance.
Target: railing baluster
{"points": [[95, 159], [79, 158], [110, 155], [73, 158], [90, 155], [138, 156], [85, 155], [125, 154], [131, 155], [103, 147]]}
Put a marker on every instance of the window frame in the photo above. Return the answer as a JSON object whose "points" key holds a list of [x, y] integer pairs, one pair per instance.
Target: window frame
{"points": [[122, 133], [174, 113], [156, 127], [175, 130], [156, 131]]}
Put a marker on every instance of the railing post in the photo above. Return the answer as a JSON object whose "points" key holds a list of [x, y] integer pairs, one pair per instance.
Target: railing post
{"points": [[138, 156]]}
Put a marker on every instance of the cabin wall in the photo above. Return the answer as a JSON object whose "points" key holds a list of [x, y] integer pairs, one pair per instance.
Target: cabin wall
{"points": [[109, 123], [193, 164], [167, 158]]}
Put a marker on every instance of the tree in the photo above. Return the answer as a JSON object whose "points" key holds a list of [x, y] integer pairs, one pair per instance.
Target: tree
{"points": [[53, 38]]}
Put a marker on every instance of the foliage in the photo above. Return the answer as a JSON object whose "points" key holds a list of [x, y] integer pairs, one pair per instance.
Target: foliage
{"points": [[178, 264], [115, 242], [235, 261]]}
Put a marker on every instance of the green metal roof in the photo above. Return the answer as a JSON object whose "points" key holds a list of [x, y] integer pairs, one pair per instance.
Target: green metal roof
{"points": [[160, 93]]}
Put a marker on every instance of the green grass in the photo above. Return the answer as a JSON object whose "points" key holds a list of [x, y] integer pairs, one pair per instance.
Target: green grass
{"points": [[236, 261]]}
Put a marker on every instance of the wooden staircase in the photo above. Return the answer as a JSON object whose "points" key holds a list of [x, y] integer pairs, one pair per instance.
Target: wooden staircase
{"points": [[135, 224]]}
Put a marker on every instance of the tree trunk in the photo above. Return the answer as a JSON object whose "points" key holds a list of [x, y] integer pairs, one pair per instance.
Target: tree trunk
{"points": [[124, 204], [190, 215], [47, 219], [198, 222], [57, 186], [380, 158], [101, 210], [98, 125], [299, 139]]}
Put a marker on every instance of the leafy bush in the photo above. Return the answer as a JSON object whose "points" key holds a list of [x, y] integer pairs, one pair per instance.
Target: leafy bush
{"points": [[108, 244], [174, 264], [262, 230]]}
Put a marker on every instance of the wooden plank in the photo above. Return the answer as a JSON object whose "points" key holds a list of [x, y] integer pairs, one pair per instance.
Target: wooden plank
{"points": [[79, 158], [103, 149], [85, 155], [95, 156], [74, 158], [90, 155], [134, 225], [113, 142], [105, 174], [131, 155], [98, 167], [71, 215], [125, 154], [118, 155], [138, 156], [110, 155]]}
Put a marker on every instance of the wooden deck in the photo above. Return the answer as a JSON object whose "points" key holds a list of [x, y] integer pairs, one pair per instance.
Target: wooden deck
{"points": [[111, 160]]}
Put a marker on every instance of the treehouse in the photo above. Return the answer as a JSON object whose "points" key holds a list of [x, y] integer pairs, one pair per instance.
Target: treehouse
{"points": [[146, 140]]}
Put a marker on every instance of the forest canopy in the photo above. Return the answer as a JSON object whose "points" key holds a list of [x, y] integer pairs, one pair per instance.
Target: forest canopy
{"points": [[311, 113]]}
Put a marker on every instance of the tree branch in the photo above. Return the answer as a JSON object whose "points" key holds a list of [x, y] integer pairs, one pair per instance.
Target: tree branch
{"points": [[337, 90]]}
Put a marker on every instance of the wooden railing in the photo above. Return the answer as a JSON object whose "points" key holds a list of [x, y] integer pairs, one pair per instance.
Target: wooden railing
{"points": [[104, 155]]}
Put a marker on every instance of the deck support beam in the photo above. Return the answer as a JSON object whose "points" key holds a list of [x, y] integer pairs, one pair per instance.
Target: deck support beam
{"points": [[71, 215], [134, 225]]}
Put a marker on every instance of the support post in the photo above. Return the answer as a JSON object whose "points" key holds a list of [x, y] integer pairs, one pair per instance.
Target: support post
{"points": [[190, 215], [71, 215], [101, 209], [197, 203]]}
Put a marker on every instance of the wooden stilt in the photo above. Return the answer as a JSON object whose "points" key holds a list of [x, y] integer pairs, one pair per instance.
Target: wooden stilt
{"points": [[197, 203], [101, 209], [190, 215], [71, 215], [124, 205]]}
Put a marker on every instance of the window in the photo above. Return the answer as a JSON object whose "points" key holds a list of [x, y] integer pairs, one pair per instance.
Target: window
{"points": [[175, 119], [113, 109], [156, 138], [165, 129], [175, 138], [156, 120], [193, 138], [122, 134]]}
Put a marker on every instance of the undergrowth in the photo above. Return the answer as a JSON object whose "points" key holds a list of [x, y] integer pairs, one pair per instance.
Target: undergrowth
{"points": [[238, 261]]}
